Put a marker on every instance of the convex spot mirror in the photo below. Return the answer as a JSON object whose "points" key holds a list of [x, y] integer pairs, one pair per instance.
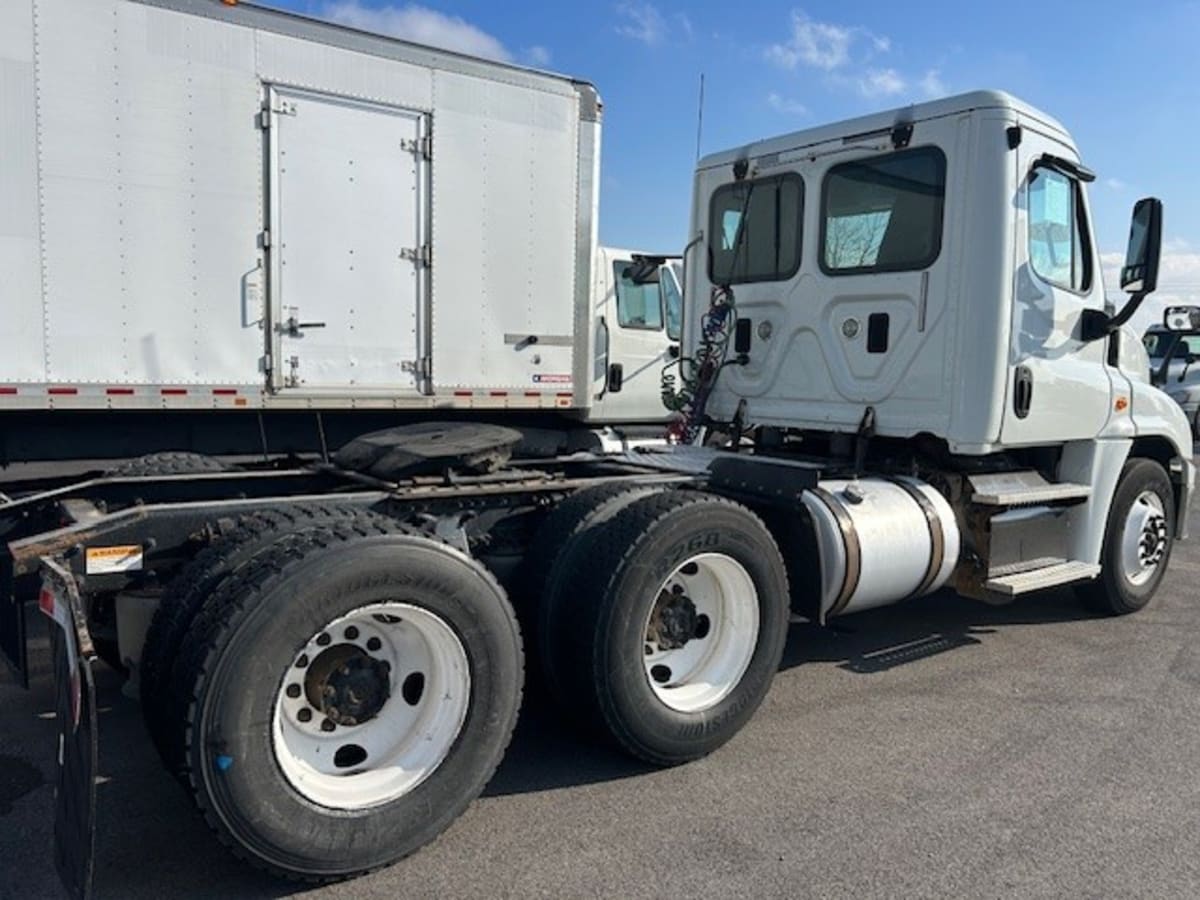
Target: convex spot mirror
{"points": [[1139, 275], [1182, 318]]}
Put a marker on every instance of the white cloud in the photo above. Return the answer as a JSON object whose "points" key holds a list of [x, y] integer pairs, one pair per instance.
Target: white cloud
{"points": [[1115, 184], [537, 55], [641, 22], [881, 83], [413, 22], [822, 45], [786, 105], [931, 84]]}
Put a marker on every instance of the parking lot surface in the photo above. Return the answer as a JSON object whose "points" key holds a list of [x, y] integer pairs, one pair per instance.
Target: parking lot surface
{"points": [[938, 748]]}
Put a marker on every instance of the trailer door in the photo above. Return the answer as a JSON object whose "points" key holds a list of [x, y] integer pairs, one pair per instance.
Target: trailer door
{"points": [[348, 242]]}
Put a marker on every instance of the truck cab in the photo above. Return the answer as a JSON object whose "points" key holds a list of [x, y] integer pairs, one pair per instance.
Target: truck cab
{"points": [[921, 289], [637, 316], [1174, 351]]}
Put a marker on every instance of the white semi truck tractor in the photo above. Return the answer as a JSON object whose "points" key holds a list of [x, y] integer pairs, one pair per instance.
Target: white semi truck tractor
{"points": [[897, 375]]}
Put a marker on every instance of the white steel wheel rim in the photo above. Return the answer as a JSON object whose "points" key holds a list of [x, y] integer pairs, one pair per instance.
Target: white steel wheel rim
{"points": [[1144, 538], [372, 762], [693, 673]]}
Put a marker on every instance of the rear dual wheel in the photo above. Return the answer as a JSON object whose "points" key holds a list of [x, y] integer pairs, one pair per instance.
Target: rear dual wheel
{"points": [[349, 695], [668, 624]]}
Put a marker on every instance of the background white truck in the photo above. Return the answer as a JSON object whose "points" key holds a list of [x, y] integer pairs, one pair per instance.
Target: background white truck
{"points": [[238, 228], [1174, 350], [898, 323]]}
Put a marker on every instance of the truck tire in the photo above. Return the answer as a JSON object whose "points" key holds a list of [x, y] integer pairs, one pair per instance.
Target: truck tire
{"points": [[352, 693], [543, 564], [169, 463], [669, 630], [186, 593], [1137, 541]]}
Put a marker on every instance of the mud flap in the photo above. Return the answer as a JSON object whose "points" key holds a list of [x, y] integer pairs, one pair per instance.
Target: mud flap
{"points": [[75, 713]]}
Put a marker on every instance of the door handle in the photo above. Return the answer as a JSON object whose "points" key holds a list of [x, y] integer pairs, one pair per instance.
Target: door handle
{"points": [[293, 326]]}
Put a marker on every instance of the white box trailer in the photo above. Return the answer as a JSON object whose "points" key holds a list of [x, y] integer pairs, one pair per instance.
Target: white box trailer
{"points": [[223, 207]]}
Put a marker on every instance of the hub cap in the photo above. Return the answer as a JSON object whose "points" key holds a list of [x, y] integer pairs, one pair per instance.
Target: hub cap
{"points": [[1144, 538], [701, 632], [371, 706]]}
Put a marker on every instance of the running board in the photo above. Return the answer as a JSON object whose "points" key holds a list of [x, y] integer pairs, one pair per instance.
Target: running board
{"points": [[1023, 489], [1054, 575]]}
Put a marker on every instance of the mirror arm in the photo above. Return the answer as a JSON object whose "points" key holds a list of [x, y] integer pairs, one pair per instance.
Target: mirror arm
{"points": [[1096, 325]]}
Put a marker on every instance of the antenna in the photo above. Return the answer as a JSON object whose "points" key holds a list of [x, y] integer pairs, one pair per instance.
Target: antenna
{"points": [[700, 117]]}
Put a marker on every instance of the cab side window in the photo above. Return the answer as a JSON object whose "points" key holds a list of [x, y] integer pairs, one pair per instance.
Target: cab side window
{"points": [[638, 305], [1059, 250]]}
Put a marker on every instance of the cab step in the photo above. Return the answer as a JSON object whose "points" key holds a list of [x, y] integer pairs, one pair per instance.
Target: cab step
{"points": [[1048, 573], [1027, 488]]}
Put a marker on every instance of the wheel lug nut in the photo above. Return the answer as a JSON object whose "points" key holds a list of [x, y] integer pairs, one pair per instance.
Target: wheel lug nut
{"points": [[351, 633], [293, 691], [374, 644], [327, 725], [323, 639], [302, 661], [305, 715]]}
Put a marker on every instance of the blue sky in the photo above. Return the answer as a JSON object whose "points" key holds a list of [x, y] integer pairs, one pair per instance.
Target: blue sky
{"points": [[1123, 77]]}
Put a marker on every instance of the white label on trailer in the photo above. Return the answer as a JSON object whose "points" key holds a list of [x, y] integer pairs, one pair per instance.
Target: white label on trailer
{"points": [[108, 560]]}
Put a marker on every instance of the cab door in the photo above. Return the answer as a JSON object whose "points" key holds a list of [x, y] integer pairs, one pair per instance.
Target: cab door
{"points": [[637, 320], [1059, 387]]}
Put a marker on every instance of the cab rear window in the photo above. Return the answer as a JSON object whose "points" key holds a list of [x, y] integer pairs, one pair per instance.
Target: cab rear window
{"points": [[754, 230], [883, 214]]}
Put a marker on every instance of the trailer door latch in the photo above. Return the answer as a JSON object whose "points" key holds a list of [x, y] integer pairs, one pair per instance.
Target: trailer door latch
{"points": [[422, 256]]}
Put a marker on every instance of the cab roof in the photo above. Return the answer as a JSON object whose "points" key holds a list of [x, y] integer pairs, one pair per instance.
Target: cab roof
{"points": [[885, 121]]}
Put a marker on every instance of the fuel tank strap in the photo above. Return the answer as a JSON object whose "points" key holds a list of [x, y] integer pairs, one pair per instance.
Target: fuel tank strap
{"points": [[853, 549], [937, 542]]}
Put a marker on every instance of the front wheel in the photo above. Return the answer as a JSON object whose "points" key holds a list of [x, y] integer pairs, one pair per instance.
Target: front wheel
{"points": [[351, 696], [1137, 540]]}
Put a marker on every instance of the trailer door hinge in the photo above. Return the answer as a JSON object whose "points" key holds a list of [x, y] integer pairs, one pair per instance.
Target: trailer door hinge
{"points": [[264, 239], [422, 146], [422, 256]]}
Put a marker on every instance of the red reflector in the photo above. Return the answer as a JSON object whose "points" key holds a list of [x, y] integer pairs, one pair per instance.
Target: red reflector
{"points": [[63, 391], [119, 392], [497, 393], [225, 392], [564, 394], [173, 392], [533, 393], [464, 393], [7, 390], [46, 602]]}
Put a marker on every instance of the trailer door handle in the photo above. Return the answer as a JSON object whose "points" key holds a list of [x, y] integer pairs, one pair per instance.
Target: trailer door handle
{"points": [[293, 326]]}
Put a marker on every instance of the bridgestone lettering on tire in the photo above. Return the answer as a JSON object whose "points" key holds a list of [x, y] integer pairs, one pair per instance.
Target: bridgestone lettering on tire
{"points": [[671, 627], [1137, 540], [259, 639]]}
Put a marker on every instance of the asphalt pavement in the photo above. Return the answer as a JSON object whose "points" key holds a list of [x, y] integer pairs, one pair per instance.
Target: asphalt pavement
{"points": [[941, 748]]}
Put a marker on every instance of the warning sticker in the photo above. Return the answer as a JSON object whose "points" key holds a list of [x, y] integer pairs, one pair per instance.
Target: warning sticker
{"points": [[107, 560], [551, 379]]}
